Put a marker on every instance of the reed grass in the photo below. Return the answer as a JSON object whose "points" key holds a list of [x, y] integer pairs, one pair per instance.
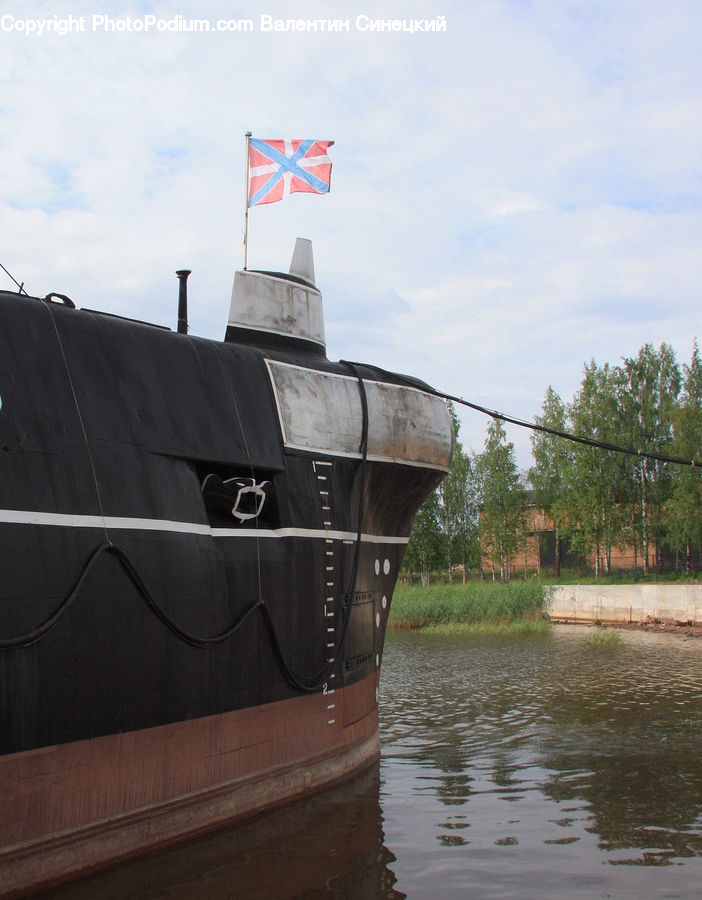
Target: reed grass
{"points": [[603, 640], [477, 606]]}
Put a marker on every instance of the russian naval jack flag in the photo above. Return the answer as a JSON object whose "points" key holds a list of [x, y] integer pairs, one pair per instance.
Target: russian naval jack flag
{"points": [[283, 166]]}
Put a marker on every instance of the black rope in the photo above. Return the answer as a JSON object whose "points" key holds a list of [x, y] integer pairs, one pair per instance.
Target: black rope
{"points": [[108, 547], [185, 636], [307, 683], [566, 435], [33, 636]]}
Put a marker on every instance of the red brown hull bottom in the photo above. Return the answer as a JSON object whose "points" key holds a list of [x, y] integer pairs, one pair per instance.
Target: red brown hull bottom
{"points": [[72, 808]]}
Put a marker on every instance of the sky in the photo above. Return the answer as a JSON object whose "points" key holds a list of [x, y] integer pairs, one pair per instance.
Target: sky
{"points": [[512, 196]]}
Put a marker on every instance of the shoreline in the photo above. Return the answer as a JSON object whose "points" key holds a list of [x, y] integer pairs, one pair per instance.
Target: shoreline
{"points": [[529, 607], [681, 629]]}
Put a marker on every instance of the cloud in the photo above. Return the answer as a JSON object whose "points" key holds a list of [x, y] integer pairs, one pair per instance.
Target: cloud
{"points": [[509, 198]]}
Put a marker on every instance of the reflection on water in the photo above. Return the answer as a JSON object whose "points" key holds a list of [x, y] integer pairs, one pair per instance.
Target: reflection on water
{"points": [[329, 843], [543, 765], [512, 767]]}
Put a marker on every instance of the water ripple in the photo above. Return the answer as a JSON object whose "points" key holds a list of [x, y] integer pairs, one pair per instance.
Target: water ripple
{"points": [[603, 747]]}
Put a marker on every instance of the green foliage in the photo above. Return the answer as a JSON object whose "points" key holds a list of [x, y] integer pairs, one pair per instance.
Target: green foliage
{"points": [[459, 497], [424, 550], [553, 464], [621, 576], [480, 601], [651, 384], [502, 495], [595, 500], [595, 503], [445, 532], [683, 519], [603, 640]]}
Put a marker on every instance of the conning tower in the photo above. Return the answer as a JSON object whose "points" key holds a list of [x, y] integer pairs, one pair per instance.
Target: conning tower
{"points": [[278, 309]]}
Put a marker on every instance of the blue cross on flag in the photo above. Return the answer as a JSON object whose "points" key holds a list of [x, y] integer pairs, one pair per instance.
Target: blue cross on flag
{"points": [[283, 166]]}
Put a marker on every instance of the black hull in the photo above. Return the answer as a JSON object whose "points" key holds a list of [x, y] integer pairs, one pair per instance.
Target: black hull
{"points": [[190, 531]]}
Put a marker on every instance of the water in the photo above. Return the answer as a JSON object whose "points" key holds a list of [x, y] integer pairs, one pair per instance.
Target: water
{"points": [[543, 766], [511, 767]]}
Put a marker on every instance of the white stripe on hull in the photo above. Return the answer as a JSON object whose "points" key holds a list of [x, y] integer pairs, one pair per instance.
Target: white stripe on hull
{"points": [[65, 520]]}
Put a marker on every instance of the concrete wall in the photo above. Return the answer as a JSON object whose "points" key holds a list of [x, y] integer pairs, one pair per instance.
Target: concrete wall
{"points": [[624, 603]]}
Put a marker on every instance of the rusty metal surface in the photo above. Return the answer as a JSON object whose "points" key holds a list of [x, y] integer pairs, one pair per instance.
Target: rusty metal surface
{"points": [[149, 789]]}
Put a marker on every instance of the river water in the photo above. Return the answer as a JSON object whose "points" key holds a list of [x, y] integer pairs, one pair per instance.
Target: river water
{"points": [[520, 766]]}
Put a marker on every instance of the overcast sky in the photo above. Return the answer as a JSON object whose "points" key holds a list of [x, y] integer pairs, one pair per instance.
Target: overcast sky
{"points": [[511, 197]]}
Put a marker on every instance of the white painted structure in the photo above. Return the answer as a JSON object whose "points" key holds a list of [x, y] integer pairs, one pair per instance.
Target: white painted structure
{"points": [[278, 306], [635, 603]]}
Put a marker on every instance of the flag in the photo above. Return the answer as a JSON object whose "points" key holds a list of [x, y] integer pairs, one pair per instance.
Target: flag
{"points": [[281, 167]]}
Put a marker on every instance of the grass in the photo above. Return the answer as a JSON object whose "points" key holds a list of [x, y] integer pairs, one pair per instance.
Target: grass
{"points": [[603, 640], [475, 607], [581, 576]]}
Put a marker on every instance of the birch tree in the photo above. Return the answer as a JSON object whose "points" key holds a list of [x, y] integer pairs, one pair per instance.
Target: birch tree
{"points": [[424, 550], [649, 393], [684, 509], [502, 500], [596, 503], [461, 495], [551, 474]]}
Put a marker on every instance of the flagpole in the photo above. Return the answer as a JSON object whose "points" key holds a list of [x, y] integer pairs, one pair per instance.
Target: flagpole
{"points": [[246, 214]]}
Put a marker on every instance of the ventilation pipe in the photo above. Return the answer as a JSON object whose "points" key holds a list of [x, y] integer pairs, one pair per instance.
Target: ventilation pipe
{"points": [[183, 300]]}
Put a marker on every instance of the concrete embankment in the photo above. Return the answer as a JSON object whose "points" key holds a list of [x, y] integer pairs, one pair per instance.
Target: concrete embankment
{"points": [[630, 603]]}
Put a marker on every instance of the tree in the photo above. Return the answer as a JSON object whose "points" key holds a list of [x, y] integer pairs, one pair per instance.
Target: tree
{"points": [[552, 472], [502, 496], [683, 525], [595, 506], [463, 494], [448, 490], [424, 550], [458, 494], [446, 527], [648, 397]]}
